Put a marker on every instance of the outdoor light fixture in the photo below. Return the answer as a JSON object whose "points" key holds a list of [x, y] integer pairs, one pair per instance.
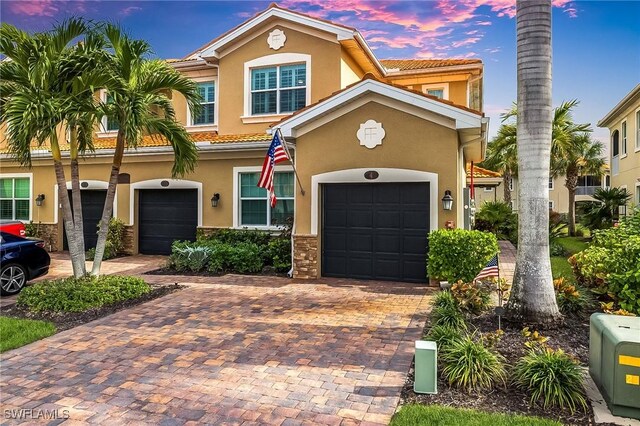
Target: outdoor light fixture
{"points": [[39, 200], [215, 199], [447, 200]]}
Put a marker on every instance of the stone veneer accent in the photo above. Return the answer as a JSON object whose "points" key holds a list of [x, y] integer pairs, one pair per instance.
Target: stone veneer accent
{"points": [[127, 240], [305, 256]]}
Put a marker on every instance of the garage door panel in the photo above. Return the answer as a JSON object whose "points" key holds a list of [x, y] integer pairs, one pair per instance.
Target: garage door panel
{"points": [[165, 216], [385, 233], [92, 206]]}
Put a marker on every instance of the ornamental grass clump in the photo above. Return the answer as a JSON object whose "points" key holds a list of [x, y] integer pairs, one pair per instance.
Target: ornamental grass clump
{"points": [[552, 377], [444, 335], [445, 299], [449, 316], [471, 366]]}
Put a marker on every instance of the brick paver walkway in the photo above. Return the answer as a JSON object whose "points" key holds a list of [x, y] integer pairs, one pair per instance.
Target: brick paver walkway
{"points": [[230, 350], [507, 260]]}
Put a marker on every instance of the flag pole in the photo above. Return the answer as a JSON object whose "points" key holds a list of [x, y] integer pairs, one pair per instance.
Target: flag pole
{"points": [[286, 147]]}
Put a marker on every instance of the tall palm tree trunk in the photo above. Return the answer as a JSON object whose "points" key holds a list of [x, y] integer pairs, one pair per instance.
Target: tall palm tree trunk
{"points": [[75, 251], [532, 298], [506, 181], [76, 192], [107, 211], [571, 183]]}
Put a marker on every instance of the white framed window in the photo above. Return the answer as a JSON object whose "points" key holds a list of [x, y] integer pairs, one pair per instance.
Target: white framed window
{"points": [[550, 183], [252, 204], [510, 184], [550, 205], [279, 89], [623, 131], [439, 90], [488, 189], [637, 130], [109, 123], [15, 197], [206, 115]]}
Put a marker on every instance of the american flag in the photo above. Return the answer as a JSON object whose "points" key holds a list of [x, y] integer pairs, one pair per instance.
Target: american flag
{"points": [[491, 270], [275, 155]]}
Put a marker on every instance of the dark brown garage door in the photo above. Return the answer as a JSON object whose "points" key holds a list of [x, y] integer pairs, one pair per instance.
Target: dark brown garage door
{"points": [[92, 205], [165, 216], [375, 231]]}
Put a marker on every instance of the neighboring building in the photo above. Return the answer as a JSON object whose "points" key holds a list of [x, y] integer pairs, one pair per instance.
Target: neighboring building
{"points": [[623, 122], [485, 184], [376, 144]]}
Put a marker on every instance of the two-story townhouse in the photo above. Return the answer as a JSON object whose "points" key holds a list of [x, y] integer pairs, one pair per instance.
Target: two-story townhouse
{"points": [[376, 144], [623, 122]]}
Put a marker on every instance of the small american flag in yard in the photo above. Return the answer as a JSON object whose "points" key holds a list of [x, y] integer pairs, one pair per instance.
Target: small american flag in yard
{"points": [[275, 155], [491, 270]]}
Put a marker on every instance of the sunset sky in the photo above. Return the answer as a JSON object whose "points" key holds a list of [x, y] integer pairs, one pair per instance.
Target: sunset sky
{"points": [[596, 43]]}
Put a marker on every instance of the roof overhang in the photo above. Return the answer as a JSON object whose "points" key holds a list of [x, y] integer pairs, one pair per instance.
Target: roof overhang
{"points": [[625, 103], [470, 126], [213, 50]]}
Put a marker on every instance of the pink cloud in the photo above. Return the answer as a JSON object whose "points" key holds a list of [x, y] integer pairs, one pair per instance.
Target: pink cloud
{"points": [[572, 12], [129, 10], [34, 8], [465, 42]]}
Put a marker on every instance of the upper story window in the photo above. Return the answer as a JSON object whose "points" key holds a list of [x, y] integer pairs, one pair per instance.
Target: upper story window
{"points": [[624, 138], [278, 89], [110, 122], [550, 183], [206, 115], [440, 90], [15, 198]]}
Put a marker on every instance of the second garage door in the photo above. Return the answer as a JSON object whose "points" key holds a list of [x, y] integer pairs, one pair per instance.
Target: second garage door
{"points": [[375, 231], [166, 215]]}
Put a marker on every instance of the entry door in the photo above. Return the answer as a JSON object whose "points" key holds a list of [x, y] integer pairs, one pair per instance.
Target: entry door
{"points": [[165, 216], [375, 231], [92, 202]]}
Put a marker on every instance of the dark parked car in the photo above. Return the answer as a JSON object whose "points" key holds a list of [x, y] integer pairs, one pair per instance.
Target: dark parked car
{"points": [[21, 260]]}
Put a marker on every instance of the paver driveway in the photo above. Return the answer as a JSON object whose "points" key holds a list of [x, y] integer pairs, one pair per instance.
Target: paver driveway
{"points": [[230, 350]]}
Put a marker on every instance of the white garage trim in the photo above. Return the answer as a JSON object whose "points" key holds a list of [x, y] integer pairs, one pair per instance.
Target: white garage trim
{"points": [[91, 186], [156, 184], [385, 175]]}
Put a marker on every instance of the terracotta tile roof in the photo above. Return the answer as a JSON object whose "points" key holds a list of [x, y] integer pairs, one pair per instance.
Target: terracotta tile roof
{"points": [[419, 64], [368, 76], [149, 141], [480, 173]]}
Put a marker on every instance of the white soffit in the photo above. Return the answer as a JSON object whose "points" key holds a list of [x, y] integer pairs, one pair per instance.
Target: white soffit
{"points": [[214, 48]]}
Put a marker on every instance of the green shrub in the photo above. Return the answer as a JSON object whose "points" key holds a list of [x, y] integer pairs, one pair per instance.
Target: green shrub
{"points": [[81, 294], [556, 249], [114, 244], [471, 366], [444, 299], [473, 298], [236, 236], [498, 218], [552, 377], [279, 254], [443, 335], [448, 316], [458, 254], [572, 299], [220, 258], [245, 258]]}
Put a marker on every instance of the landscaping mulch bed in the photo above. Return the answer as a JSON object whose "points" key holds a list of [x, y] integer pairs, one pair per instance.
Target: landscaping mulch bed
{"points": [[572, 337], [67, 320]]}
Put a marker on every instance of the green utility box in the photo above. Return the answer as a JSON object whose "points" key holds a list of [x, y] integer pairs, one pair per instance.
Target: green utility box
{"points": [[426, 367], [614, 361]]}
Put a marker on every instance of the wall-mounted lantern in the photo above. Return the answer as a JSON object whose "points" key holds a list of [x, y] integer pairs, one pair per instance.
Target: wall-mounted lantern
{"points": [[447, 200], [215, 199], [39, 200]]}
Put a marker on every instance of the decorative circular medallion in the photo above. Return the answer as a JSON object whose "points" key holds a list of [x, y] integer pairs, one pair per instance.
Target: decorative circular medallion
{"points": [[84, 184], [164, 183], [371, 134], [276, 39]]}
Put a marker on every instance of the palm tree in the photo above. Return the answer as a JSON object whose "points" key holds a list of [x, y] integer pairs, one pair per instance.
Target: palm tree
{"points": [[46, 89], [577, 156], [502, 156], [139, 91], [605, 211], [532, 296]]}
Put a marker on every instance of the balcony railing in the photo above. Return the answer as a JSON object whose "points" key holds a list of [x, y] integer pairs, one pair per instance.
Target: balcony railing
{"points": [[586, 190]]}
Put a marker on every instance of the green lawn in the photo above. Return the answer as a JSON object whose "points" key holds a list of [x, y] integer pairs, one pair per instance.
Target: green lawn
{"points": [[16, 332], [560, 268], [434, 415], [573, 244]]}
